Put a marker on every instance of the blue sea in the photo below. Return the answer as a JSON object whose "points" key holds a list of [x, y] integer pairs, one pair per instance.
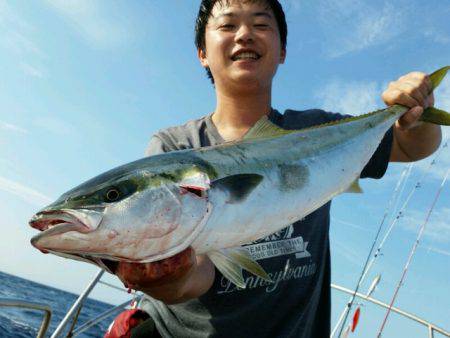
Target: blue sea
{"points": [[19, 323]]}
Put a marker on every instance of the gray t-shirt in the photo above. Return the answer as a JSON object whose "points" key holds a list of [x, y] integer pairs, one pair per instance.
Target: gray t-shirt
{"points": [[297, 258]]}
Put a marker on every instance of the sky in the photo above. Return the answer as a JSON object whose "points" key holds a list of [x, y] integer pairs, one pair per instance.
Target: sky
{"points": [[84, 84]]}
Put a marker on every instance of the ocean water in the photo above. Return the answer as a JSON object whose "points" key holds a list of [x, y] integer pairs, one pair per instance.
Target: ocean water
{"points": [[20, 323]]}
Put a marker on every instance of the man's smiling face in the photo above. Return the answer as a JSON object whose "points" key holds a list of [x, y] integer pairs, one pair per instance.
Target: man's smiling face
{"points": [[242, 44]]}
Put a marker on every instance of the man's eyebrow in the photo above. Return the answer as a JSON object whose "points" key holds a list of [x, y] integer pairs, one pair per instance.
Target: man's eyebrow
{"points": [[265, 14], [257, 14]]}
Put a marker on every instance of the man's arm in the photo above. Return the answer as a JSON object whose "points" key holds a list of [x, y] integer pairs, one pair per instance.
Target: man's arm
{"points": [[413, 140]]}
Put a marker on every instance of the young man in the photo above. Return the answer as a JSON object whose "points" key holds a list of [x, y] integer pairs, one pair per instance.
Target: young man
{"points": [[241, 44]]}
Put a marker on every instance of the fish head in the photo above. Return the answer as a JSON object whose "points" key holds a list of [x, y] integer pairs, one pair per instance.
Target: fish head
{"points": [[137, 216]]}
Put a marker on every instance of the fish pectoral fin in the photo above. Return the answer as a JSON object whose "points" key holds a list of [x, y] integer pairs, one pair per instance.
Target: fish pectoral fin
{"points": [[354, 188], [242, 257], [238, 186], [228, 268], [230, 263]]}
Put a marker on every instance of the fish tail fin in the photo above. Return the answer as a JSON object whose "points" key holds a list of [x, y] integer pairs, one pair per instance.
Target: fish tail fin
{"points": [[435, 115]]}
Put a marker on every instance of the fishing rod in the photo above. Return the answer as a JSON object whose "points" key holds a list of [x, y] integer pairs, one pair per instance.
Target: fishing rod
{"points": [[368, 265], [344, 314], [413, 251]]}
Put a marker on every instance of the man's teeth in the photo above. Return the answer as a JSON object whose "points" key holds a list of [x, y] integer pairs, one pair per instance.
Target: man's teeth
{"points": [[246, 56]]}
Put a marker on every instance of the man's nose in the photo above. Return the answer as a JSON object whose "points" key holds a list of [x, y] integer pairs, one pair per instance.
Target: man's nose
{"points": [[244, 34]]}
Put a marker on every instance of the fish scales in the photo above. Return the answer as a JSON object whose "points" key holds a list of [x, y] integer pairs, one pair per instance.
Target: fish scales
{"points": [[217, 198]]}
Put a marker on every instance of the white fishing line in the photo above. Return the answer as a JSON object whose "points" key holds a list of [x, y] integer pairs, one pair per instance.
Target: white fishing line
{"points": [[368, 264], [411, 254]]}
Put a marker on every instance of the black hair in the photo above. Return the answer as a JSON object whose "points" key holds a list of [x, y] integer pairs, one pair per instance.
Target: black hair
{"points": [[204, 13]]}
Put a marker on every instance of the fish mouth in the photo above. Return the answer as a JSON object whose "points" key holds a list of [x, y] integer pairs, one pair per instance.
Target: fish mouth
{"points": [[104, 263], [57, 222]]}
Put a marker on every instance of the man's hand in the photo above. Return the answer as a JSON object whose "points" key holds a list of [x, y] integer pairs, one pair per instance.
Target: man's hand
{"points": [[172, 280], [413, 139], [412, 90]]}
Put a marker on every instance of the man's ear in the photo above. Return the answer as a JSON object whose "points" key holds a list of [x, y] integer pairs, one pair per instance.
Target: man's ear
{"points": [[201, 53], [282, 55]]}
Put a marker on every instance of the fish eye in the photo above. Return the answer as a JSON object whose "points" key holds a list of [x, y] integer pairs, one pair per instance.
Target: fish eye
{"points": [[112, 195]]}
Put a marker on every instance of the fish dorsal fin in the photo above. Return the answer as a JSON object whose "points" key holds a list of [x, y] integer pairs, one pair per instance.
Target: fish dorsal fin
{"points": [[265, 128], [230, 263]]}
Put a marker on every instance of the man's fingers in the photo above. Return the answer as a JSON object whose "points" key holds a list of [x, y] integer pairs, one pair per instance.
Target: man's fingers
{"points": [[429, 101], [396, 96], [410, 90], [415, 91], [424, 80], [410, 118]]}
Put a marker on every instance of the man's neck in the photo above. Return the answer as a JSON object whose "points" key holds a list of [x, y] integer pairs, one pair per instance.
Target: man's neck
{"points": [[236, 114]]}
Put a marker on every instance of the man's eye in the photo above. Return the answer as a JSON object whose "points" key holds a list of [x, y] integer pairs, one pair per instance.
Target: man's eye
{"points": [[262, 25], [227, 26]]}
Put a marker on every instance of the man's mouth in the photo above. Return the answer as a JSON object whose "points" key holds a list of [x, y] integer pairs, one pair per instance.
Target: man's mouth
{"points": [[245, 55]]}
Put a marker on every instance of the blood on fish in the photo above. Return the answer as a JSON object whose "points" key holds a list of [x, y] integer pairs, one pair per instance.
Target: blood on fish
{"points": [[138, 275], [112, 234], [43, 251]]}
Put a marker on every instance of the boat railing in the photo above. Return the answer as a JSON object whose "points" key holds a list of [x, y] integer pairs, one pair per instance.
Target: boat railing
{"points": [[32, 306], [72, 315], [431, 327]]}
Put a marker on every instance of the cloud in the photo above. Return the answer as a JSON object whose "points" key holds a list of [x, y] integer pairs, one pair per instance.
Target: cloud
{"points": [[12, 127], [15, 38], [349, 97], [31, 70], [352, 26], [348, 253], [355, 226], [437, 36], [28, 194], [92, 22], [437, 229], [439, 251], [294, 5], [54, 125]]}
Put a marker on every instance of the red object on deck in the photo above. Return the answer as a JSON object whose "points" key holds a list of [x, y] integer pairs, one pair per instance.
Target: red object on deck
{"points": [[123, 324], [356, 318]]}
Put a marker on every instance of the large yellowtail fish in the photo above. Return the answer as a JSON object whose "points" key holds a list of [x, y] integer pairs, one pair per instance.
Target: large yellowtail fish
{"points": [[215, 199]]}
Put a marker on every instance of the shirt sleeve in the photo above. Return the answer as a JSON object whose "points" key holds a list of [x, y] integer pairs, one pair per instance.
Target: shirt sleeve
{"points": [[156, 146], [378, 163]]}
